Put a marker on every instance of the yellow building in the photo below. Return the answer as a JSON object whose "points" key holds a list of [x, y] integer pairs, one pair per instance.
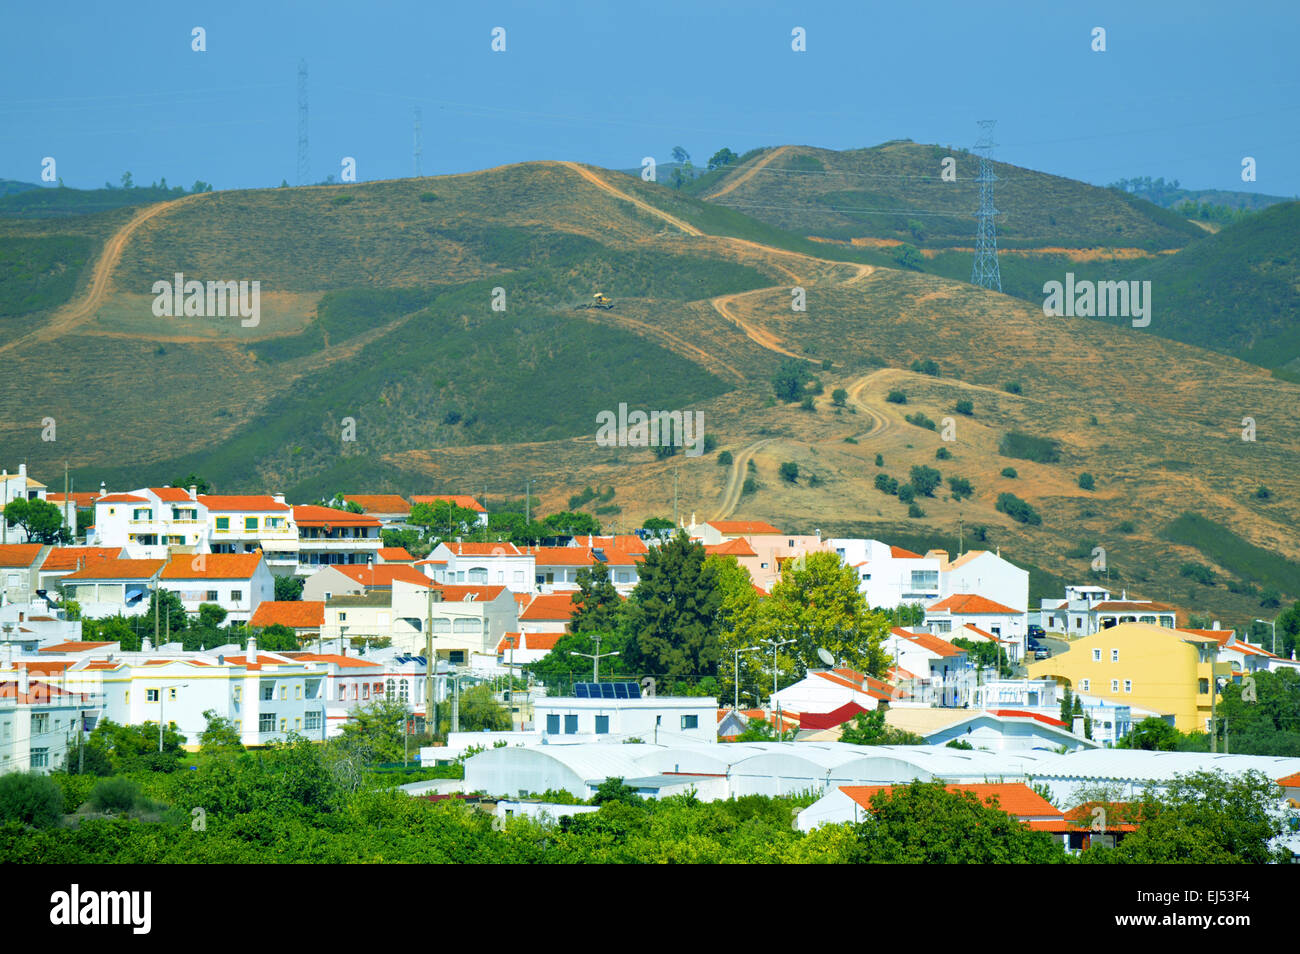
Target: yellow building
{"points": [[1154, 667]]}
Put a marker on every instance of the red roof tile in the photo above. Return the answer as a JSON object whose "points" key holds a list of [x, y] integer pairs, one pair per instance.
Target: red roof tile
{"points": [[459, 500], [395, 555], [311, 516], [232, 502], [381, 574], [171, 494], [19, 554], [969, 604], [898, 553], [69, 558], [120, 498], [1014, 798], [379, 503], [550, 606], [74, 646], [212, 566], [738, 547], [117, 570], [295, 614], [743, 526], [500, 548]]}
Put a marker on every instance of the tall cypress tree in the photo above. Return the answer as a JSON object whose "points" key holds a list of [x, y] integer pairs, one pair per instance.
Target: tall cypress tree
{"points": [[673, 615]]}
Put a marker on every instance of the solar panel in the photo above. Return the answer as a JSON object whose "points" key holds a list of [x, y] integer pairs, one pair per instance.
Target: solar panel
{"points": [[633, 690], [582, 690], [607, 690], [620, 690]]}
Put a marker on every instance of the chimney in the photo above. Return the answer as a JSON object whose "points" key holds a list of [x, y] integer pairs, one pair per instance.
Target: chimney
{"points": [[1216, 625], [103, 489], [22, 472], [1123, 594], [252, 649], [1077, 728], [278, 498], [23, 685], [6, 656], [194, 492], [146, 645]]}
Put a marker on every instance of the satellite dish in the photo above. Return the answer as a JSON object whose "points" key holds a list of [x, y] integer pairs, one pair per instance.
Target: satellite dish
{"points": [[826, 657]]}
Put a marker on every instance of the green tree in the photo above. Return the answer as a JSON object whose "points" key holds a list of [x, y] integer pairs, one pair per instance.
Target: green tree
{"points": [[925, 480], [479, 712], [788, 382], [1152, 733], [1086, 482], [378, 728], [673, 612], [192, 479], [925, 823], [737, 616], [613, 790], [839, 397], [563, 665], [134, 748], [219, 736], [816, 602], [30, 799], [288, 588], [597, 607], [277, 638], [442, 518], [869, 728], [42, 522], [723, 157], [568, 523], [658, 523], [789, 472]]}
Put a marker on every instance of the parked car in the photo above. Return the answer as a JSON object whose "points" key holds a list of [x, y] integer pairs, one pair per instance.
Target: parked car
{"points": [[1035, 631], [1042, 653]]}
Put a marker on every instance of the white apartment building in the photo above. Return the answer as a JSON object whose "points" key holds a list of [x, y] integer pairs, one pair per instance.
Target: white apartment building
{"points": [[466, 619], [327, 537], [20, 486], [1089, 609], [481, 564], [237, 582], [607, 718], [1006, 623], [152, 522], [988, 575], [246, 523], [38, 719]]}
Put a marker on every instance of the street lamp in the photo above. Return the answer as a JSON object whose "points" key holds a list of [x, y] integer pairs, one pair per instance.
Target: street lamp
{"points": [[162, 699], [775, 644], [751, 649], [1273, 625]]}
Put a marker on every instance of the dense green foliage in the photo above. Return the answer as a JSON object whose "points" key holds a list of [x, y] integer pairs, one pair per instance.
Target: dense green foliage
{"points": [[1248, 562], [39, 272], [1024, 446], [869, 728], [1018, 509]]}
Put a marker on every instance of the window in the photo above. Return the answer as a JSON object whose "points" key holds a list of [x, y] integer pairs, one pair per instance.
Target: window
{"points": [[151, 695], [1114, 685], [266, 722], [268, 692], [519, 576], [365, 690], [236, 595], [238, 693], [40, 723], [171, 695], [570, 725], [925, 579], [212, 596], [297, 691], [690, 722], [343, 617], [297, 723], [602, 725], [313, 721], [223, 523], [40, 758], [1203, 686], [552, 725], [1128, 685], [404, 690], [284, 725], [1096, 655], [390, 687], [1114, 655], [1085, 685], [250, 523]]}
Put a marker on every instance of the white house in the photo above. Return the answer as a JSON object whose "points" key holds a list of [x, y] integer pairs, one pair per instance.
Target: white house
{"points": [[890, 576], [237, 582], [113, 587], [19, 486], [152, 522], [657, 719], [350, 682], [988, 575], [38, 718], [825, 690], [950, 614], [466, 619], [245, 523], [480, 564], [1089, 609], [930, 659], [327, 537]]}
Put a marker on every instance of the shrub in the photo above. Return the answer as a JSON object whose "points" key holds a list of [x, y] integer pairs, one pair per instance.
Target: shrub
{"points": [[1012, 387], [907, 256], [750, 486], [31, 799], [1199, 572], [428, 197], [1262, 493], [850, 440], [1125, 526], [839, 396], [906, 494], [914, 510], [1086, 482], [896, 397], [943, 454], [920, 420], [807, 404], [710, 444], [880, 460], [1018, 509], [826, 364], [928, 366], [1270, 599], [886, 484], [116, 794], [925, 480], [1041, 450], [725, 458], [1009, 472], [789, 380], [965, 407], [815, 481], [960, 487], [789, 472]]}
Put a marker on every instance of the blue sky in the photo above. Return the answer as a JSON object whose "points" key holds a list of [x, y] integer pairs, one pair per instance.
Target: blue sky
{"points": [[1184, 89]]}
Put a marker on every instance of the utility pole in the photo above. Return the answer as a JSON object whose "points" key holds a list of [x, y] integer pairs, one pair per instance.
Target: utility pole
{"points": [[1214, 741], [596, 657], [432, 726], [675, 524], [961, 536], [985, 271], [528, 500]]}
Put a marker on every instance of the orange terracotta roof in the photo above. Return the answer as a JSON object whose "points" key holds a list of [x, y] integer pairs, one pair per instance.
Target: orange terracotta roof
{"points": [[81, 499], [550, 606], [19, 554], [968, 604], [1111, 606], [68, 558], [980, 632], [395, 554], [501, 548], [117, 570], [381, 574], [898, 553], [929, 642], [295, 614], [1117, 813], [121, 498], [459, 500], [212, 566], [1290, 781], [563, 556], [737, 547], [74, 646], [257, 502], [311, 516], [458, 592], [1014, 798], [743, 526], [343, 662], [537, 641], [627, 542], [171, 494], [44, 666], [379, 503], [1220, 636]]}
